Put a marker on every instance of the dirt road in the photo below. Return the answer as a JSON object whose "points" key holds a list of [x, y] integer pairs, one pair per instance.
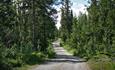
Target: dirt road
{"points": [[63, 61]]}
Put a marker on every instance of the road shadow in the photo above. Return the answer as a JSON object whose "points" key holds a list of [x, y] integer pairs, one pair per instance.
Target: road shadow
{"points": [[62, 56], [66, 59]]}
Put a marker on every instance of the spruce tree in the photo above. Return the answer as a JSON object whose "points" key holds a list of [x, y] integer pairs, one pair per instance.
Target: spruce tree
{"points": [[66, 20]]}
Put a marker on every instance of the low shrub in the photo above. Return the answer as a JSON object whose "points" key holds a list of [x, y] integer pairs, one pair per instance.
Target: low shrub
{"points": [[15, 62], [50, 52], [5, 66], [34, 58]]}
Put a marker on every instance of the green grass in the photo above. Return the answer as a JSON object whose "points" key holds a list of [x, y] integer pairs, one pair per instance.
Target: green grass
{"points": [[106, 65], [26, 67], [69, 49]]}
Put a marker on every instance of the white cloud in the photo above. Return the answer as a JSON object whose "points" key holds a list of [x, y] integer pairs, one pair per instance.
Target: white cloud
{"points": [[58, 20], [79, 8]]}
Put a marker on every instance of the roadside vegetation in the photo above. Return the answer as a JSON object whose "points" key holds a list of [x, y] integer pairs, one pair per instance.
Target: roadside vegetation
{"points": [[91, 36], [27, 29]]}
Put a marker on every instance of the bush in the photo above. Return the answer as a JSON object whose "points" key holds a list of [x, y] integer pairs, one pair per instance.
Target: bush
{"points": [[10, 57], [15, 62], [50, 52], [16, 56], [34, 58], [5, 66]]}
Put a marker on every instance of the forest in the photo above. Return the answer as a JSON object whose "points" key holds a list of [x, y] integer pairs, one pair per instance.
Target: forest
{"points": [[26, 32], [28, 28], [90, 36]]}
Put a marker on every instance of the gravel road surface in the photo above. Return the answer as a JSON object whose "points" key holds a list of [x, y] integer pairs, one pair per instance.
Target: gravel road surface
{"points": [[63, 61]]}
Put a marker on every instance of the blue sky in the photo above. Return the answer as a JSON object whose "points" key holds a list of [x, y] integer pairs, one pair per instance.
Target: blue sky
{"points": [[77, 7]]}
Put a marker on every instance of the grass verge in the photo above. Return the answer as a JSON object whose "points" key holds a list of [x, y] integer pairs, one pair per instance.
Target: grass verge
{"points": [[101, 65], [26, 67]]}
